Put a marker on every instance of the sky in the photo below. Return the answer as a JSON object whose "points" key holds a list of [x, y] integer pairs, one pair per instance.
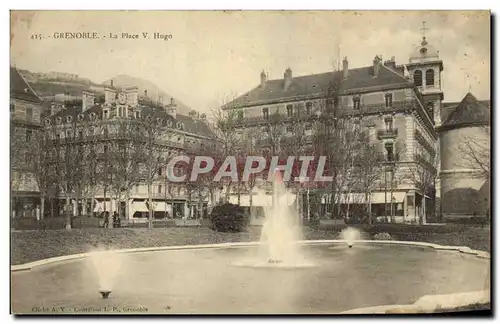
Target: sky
{"points": [[213, 55]]}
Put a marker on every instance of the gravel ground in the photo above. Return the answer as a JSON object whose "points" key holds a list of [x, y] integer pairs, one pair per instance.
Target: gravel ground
{"points": [[28, 246]]}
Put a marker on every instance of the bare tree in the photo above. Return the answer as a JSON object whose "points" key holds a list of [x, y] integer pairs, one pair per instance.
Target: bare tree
{"points": [[43, 160], [153, 153], [476, 151], [17, 150], [125, 153]]}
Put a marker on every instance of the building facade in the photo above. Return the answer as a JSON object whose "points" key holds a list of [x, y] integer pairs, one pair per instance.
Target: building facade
{"points": [[398, 106], [25, 111], [98, 124], [465, 158]]}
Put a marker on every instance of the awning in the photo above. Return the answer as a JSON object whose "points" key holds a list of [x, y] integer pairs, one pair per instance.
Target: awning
{"points": [[379, 197], [360, 198], [262, 200], [140, 206]]}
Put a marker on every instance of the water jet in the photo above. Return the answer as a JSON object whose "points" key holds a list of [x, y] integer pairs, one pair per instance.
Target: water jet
{"points": [[105, 293]]}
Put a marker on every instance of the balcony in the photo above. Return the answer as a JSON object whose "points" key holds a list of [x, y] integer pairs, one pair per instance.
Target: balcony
{"points": [[387, 133]]}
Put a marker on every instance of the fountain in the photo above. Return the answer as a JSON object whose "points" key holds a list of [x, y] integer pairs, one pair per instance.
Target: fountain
{"points": [[280, 232], [350, 235], [106, 265]]}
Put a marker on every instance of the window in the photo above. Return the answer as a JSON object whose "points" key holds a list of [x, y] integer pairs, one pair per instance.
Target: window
{"points": [[138, 115], [429, 77], [159, 189], [265, 113], [12, 107], [417, 78], [308, 126], [106, 113], [58, 137], [69, 133], [289, 110], [159, 171], [91, 131], [309, 108], [29, 114], [29, 134], [80, 134], [289, 129], [69, 119], [430, 108], [388, 124], [356, 101], [388, 99], [105, 149], [389, 150]]}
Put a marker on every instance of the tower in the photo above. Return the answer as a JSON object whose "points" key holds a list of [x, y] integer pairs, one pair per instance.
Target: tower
{"points": [[425, 69]]}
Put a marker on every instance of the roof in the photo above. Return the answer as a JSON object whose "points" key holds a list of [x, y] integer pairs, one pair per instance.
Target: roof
{"points": [[192, 126], [358, 80], [20, 89], [469, 111], [424, 52]]}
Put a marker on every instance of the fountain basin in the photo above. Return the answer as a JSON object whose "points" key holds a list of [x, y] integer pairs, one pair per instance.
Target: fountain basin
{"points": [[201, 281]]}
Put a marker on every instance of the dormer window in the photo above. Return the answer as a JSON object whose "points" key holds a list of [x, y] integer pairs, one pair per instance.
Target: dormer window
{"points": [[159, 120], [179, 125], [309, 108], [58, 120], [169, 123], [265, 113], [80, 117], [106, 114], [356, 102], [92, 116], [47, 121], [69, 119], [388, 100]]}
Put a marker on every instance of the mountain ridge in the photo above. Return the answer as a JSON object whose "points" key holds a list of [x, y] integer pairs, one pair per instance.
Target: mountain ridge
{"points": [[48, 85]]}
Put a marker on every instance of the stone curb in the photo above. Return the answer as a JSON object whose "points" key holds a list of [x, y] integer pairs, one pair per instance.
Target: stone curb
{"points": [[428, 304], [31, 265]]}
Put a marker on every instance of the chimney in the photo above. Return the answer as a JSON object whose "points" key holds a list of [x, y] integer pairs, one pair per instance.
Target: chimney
{"points": [[109, 95], [172, 108], [263, 79], [145, 93], [87, 100], [54, 108], [111, 83], [391, 63], [287, 77], [345, 67], [376, 65]]}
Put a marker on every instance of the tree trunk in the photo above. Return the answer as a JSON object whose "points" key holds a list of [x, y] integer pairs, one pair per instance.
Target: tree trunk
{"points": [[42, 206], [150, 209], [92, 205], [68, 212], [127, 207]]}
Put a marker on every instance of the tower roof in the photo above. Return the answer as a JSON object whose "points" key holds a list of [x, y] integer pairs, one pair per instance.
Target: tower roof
{"points": [[468, 112], [424, 52]]}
